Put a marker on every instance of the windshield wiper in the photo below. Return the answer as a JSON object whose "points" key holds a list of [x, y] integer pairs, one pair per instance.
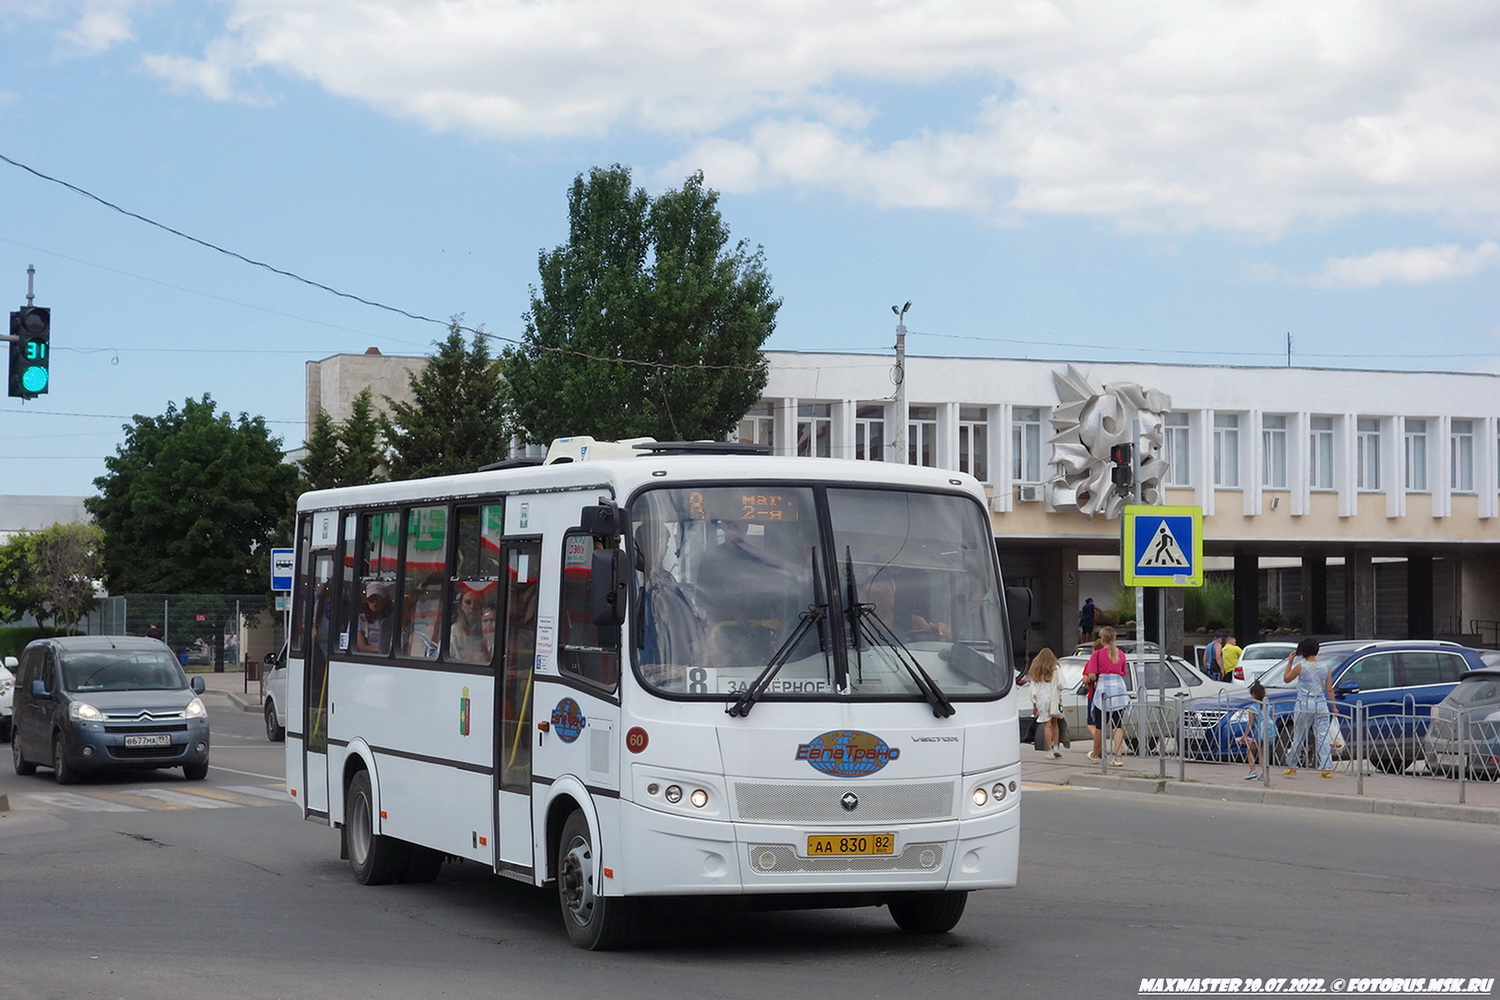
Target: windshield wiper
{"points": [[866, 623], [806, 622]]}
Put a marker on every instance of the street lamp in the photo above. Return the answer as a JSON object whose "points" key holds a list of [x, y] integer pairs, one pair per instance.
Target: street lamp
{"points": [[898, 375]]}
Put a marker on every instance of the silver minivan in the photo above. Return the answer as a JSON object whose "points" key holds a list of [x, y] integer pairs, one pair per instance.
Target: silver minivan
{"points": [[88, 703]]}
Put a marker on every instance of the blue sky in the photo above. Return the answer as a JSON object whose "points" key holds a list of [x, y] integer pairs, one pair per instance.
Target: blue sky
{"points": [[1154, 181]]}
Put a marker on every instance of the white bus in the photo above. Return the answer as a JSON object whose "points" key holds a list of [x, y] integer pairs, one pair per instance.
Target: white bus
{"points": [[648, 671]]}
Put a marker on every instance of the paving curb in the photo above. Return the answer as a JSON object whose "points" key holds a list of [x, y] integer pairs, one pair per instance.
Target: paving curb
{"points": [[1302, 800]]}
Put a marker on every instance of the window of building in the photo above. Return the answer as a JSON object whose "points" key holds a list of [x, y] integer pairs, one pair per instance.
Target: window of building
{"points": [[1461, 456], [815, 430], [757, 426], [869, 432], [1273, 452], [1416, 454], [1026, 444], [1367, 454], [973, 442], [1320, 454], [1227, 450], [1178, 454], [921, 443]]}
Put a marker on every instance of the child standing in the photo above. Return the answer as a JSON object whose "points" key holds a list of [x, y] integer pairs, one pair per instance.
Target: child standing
{"points": [[1046, 696], [1257, 728]]}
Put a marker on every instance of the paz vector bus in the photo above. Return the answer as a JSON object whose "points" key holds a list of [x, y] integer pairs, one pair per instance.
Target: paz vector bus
{"points": [[645, 672]]}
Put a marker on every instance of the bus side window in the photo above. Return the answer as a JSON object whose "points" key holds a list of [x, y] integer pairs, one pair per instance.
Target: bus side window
{"points": [[588, 651]]}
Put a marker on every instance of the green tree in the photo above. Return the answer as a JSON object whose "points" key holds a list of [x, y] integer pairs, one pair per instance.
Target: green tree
{"points": [[50, 574], [191, 502], [644, 324], [360, 460], [457, 420], [320, 463], [19, 593], [67, 567]]}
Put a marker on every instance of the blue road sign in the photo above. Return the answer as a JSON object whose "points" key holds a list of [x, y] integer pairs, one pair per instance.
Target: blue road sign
{"points": [[1161, 546], [281, 569]]}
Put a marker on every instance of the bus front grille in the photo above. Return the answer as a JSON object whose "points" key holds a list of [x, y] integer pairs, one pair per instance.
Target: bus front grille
{"points": [[826, 802]]}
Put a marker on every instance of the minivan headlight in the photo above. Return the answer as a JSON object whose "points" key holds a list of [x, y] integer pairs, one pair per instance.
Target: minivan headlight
{"points": [[80, 711], [195, 709]]}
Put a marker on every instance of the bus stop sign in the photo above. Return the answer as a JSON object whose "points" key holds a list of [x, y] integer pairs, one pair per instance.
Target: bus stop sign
{"points": [[281, 569], [1161, 546]]}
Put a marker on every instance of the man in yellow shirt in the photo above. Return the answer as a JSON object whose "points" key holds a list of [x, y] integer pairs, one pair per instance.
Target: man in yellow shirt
{"points": [[1231, 654]]}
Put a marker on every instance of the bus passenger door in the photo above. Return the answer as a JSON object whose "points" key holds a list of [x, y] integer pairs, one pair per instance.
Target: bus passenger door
{"points": [[315, 694], [514, 694]]}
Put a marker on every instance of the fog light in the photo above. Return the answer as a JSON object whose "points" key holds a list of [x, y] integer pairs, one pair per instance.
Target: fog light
{"points": [[202, 747], [674, 794], [699, 798], [980, 798], [88, 751]]}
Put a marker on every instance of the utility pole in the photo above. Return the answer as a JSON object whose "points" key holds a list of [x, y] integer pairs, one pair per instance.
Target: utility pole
{"points": [[898, 375]]}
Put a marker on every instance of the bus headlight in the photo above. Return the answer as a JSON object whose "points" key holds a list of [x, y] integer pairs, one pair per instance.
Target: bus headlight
{"points": [[699, 798], [980, 796]]}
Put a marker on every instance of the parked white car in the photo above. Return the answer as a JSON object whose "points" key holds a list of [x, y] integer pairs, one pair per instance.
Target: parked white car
{"points": [[1259, 657], [1183, 681], [7, 696]]}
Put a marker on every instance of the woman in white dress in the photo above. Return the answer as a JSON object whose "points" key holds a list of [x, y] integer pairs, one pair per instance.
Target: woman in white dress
{"points": [[1045, 683]]}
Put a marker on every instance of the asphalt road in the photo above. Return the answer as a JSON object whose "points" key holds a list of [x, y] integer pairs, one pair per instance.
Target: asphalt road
{"points": [[132, 889]]}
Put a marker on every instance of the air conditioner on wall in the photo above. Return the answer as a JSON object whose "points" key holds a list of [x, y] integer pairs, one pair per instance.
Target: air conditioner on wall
{"points": [[1029, 494]]}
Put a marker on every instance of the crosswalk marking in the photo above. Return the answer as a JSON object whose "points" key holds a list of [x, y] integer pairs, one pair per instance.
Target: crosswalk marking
{"points": [[163, 799]]}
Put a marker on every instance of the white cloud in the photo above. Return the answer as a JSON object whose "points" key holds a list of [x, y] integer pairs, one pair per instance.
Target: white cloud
{"points": [[101, 25], [1159, 115], [1412, 266]]}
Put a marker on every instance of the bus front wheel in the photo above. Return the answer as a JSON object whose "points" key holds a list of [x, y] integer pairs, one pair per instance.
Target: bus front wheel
{"points": [[594, 922], [928, 912], [375, 860]]}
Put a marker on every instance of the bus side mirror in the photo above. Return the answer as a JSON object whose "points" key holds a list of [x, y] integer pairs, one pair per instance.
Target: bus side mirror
{"points": [[607, 587], [1018, 614], [601, 520]]}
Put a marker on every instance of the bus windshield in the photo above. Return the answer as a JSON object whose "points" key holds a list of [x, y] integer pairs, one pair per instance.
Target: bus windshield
{"points": [[832, 592]]}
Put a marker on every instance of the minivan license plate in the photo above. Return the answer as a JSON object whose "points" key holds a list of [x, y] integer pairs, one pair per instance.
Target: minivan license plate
{"points": [[850, 845], [150, 740]]}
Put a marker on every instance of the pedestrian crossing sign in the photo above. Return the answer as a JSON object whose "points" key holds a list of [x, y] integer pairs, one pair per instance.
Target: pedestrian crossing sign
{"points": [[1161, 546]]}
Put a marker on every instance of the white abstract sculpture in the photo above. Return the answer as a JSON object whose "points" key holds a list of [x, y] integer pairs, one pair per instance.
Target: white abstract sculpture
{"points": [[1087, 422]]}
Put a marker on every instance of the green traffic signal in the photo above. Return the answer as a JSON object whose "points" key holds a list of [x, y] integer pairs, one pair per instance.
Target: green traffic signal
{"points": [[30, 351]]}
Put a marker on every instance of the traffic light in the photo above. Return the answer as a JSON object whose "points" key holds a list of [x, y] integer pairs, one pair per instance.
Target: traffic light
{"points": [[1123, 474], [30, 351]]}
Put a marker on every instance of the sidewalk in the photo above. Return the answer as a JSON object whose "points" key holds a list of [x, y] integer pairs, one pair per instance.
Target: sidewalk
{"points": [[231, 685], [1384, 794]]}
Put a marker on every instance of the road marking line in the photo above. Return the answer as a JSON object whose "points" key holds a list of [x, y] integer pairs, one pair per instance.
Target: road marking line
{"points": [[82, 803], [277, 794]]}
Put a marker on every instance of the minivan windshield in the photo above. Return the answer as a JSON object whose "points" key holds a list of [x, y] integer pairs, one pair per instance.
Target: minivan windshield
{"points": [[110, 670], [831, 592]]}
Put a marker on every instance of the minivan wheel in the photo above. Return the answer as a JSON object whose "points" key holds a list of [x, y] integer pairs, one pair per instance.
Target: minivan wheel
{"points": [[18, 759], [275, 731], [65, 773], [195, 772]]}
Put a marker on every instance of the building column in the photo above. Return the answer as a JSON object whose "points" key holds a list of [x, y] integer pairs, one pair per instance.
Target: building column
{"points": [[1314, 595], [1246, 624], [1057, 607], [1359, 594], [1419, 612]]}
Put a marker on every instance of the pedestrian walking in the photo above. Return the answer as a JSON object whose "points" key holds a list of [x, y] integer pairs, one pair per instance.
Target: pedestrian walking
{"points": [[1313, 706], [1257, 729], [1086, 620], [1046, 697], [1107, 665]]}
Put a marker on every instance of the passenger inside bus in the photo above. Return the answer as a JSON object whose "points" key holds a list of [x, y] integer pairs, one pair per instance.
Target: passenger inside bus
{"points": [[374, 634], [912, 628], [467, 637]]}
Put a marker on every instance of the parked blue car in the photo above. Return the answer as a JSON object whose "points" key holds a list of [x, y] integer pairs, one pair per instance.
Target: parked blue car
{"points": [[1396, 681]]}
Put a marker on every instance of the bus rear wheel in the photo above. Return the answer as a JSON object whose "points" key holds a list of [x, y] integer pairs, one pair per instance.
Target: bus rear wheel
{"points": [[928, 912], [374, 859], [594, 922]]}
